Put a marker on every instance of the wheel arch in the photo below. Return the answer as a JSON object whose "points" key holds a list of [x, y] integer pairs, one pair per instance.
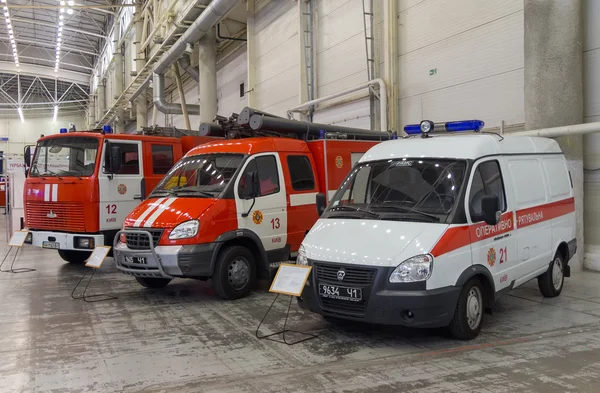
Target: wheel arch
{"points": [[486, 279], [245, 238]]}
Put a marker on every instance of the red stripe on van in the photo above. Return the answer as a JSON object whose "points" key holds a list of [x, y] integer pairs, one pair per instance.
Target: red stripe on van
{"points": [[457, 237], [462, 236], [537, 214]]}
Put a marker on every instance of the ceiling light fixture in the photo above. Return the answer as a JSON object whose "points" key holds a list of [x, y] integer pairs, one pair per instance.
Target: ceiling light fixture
{"points": [[10, 34], [21, 114]]}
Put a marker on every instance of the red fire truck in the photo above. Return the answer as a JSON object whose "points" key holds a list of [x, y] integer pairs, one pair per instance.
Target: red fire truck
{"points": [[82, 185], [231, 210]]}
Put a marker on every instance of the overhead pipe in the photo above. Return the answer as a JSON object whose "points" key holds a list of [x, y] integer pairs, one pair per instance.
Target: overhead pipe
{"points": [[160, 102], [315, 130], [211, 15], [222, 37], [576, 129], [382, 100], [186, 65]]}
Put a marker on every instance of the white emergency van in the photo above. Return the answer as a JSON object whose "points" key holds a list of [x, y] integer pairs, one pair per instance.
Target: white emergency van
{"points": [[428, 231]]}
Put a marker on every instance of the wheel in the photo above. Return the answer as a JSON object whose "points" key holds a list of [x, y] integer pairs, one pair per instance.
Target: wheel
{"points": [[235, 273], [551, 282], [72, 256], [153, 283], [468, 316]]}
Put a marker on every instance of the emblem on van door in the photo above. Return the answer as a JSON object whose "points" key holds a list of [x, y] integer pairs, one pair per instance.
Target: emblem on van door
{"points": [[339, 161], [341, 274], [491, 257], [122, 188], [257, 217], [51, 214]]}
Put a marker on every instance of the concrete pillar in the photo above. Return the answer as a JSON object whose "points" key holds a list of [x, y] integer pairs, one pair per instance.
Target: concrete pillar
{"points": [[141, 104], [554, 83], [118, 81], [101, 98], [208, 75], [91, 112]]}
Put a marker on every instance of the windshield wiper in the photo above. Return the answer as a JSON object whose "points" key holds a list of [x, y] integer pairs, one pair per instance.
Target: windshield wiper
{"points": [[406, 210], [178, 190], [354, 209], [48, 171]]}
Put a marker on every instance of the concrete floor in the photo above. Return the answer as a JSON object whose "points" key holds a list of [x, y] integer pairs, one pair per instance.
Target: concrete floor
{"points": [[184, 339]]}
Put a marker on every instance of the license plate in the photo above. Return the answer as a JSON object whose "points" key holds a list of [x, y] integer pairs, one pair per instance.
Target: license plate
{"points": [[340, 293], [138, 260], [53, 245]]}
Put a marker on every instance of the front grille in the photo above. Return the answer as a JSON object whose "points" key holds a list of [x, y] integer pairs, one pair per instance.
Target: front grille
{"points": [[57, 216], [140, 241], [354, 275]]}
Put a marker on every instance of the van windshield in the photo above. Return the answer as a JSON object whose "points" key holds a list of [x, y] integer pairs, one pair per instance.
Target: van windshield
{"points": [[203, 176], [410, 189]]}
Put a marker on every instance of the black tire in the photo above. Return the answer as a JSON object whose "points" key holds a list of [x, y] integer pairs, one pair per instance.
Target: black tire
{"points": [[153, 283], [235, 273], [551, 282], [73, 256], [464, 324]]}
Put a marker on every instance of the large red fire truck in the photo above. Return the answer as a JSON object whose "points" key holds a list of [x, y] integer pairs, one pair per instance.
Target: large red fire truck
{"points": [[231, 210], [82, 185]]}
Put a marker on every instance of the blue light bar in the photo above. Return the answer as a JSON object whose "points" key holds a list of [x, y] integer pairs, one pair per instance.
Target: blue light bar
{"points": [[451, 126], [465, 125], [412, 129]]}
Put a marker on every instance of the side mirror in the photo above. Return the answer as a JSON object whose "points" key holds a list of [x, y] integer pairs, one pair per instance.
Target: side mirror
{"points": [[113, 159], [27, 156], [251, 186], [321, 203], [490, 209]]}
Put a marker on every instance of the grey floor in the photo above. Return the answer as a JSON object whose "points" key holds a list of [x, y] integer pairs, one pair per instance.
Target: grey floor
{"points": [[184, 339]]}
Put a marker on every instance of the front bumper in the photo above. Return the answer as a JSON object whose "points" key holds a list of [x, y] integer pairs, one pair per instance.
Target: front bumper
{"points": [[66, 241], [383, 303], [165, 261]]}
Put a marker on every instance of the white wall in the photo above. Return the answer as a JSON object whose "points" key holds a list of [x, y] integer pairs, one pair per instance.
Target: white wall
{"points": [[277, 57], [231, 72], [476, 48], [21, 134]]}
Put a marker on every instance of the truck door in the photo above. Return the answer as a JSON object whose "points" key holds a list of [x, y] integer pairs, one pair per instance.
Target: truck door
{"points": [[492, 246], [266, 214], [120, 192]]}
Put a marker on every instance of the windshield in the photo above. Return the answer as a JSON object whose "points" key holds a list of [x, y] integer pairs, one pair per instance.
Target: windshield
{"points": [[402, 190], [67, 156], [199, 176]]}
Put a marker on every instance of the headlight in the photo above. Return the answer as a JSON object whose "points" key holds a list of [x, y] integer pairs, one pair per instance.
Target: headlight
{"points": [[185, 230], [302, 259], [417, 268]]}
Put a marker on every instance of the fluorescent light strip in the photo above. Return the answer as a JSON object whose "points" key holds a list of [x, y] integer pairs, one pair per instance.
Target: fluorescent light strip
{"points": [[55, 113], [11, 36], [21, 114]]}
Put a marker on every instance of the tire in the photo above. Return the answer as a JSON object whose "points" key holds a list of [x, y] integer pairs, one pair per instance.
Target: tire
{"points": [[551, 282], [468, 316], [76, 257], [153, 283], [235, 273]]}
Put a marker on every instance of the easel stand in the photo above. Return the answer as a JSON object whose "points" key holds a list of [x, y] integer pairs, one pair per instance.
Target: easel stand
{"points": [[91, 298], [12, 269], [285, 330]]}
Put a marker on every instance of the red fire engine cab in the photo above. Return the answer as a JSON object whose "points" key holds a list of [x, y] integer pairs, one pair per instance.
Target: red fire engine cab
{"points": [[232, 210], [81, 185]]}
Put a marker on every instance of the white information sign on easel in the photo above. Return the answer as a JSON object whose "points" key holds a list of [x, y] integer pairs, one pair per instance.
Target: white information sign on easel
{"points": [[18, 238], [290, 279], [98, 256]]}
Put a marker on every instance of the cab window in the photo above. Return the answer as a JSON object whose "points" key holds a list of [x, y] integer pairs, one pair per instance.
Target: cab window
{"points": [[129, 158], [487, 180], [265, 170], [162, 159], [301, 173]]}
